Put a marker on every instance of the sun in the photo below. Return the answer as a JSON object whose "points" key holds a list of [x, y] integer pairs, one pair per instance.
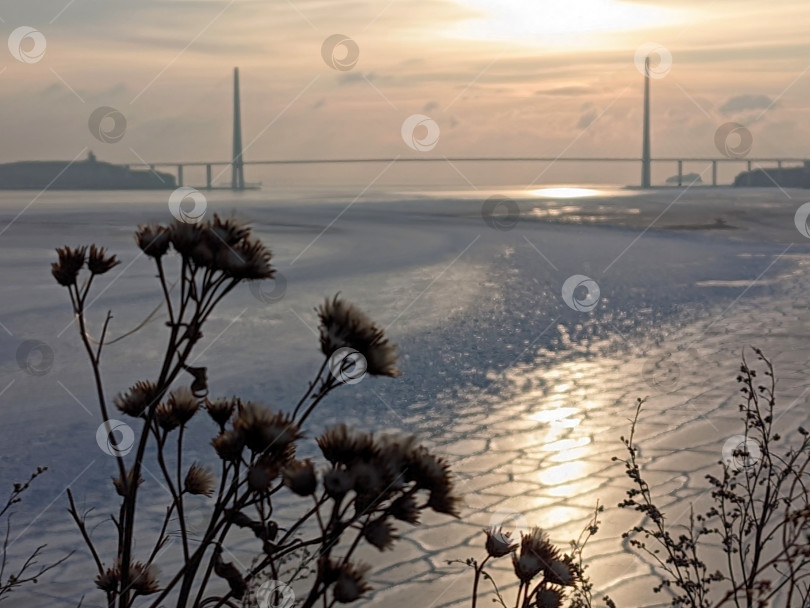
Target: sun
{"points": [[551, 21]]}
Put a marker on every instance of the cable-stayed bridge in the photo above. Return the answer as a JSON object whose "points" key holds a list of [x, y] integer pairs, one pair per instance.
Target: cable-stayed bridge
{"points": [[769, 166]]}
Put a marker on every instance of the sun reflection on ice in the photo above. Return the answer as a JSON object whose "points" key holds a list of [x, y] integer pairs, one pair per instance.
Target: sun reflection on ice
{"points": [[565, 192]]}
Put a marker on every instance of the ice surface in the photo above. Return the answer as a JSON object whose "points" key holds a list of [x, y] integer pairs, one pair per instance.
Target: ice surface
{"points": [[525, 396]]}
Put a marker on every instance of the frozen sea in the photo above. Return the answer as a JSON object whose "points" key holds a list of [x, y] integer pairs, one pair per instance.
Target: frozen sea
{"points": [[525, 395]]}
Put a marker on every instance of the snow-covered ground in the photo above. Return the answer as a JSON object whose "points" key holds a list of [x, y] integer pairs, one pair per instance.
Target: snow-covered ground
{"points": [[525, 395]]}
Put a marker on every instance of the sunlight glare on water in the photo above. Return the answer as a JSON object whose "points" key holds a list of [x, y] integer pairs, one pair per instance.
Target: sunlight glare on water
{"points": [[565, 192]]}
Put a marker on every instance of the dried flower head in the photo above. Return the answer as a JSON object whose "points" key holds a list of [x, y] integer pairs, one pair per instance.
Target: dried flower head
{"points": [[152, 239], [262, 474], [200, 480], [266, 432], [548, 598], [368, 476], [98, 262], [337, 483], [345, 325], [343, 445], [164, 415], [526, 566], [185, 237], [248, 260], [380, 533], [141, 396], [120, 488], [350, 584], [71, 260], [229, 445], [300, 477], [499, 543], [221, 410], [404, 508], [228, 231], [430, 472], [184, 404], [395, 452], [444, 501], [204, 252], [108, 580], [562, 572], [143, 579], [536, 553]]}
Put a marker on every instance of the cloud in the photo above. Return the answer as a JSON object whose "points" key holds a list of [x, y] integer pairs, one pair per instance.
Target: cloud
{"points": [[350, 78], [746, 103], [589, 113], [572, 91]]}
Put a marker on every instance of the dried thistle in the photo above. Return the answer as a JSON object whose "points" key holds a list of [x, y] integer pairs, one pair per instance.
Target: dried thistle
{"points": [[221, 410], [350, 583], [380, 533], [183, 404], [200, 480], [153, 240], [499, 543], [71, 260], [139, 397], [229, 445], [266, 432], [345, 325], [98, 262], [300, 477]]}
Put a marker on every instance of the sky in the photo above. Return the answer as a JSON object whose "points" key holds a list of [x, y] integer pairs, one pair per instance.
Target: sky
{"points": [[328, 79]]}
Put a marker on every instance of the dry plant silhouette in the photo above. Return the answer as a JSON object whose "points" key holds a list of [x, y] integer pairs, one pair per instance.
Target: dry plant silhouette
{"points": [[546, 576], [759, 521], [12, 574], [369, 481]]}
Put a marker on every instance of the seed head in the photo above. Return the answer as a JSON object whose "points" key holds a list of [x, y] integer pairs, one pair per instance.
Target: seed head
{"points": [[350, 584], [139, 397], [98, 262], [380, 533], [345, 325], [200, 480], [499, 543], [152, 239], [220, 410], [300, 477], [183, 404], [71, 260], [229, 445]]}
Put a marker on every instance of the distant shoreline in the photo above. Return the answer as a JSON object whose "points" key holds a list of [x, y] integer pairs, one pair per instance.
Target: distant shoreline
{"points": [[89, 174]]}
